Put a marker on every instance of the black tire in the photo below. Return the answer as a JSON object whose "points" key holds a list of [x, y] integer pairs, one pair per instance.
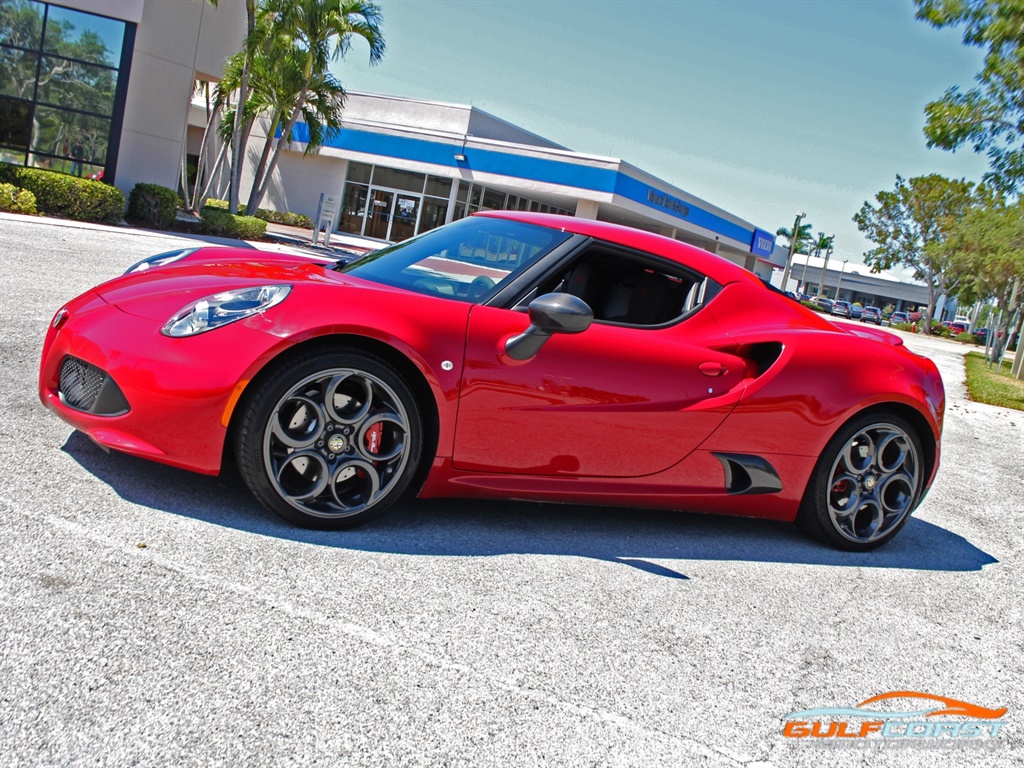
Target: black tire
{"points": [[329, 439], [866, 483]]}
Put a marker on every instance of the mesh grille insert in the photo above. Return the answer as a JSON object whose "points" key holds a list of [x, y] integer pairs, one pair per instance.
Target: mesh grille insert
{"points": [[80, 383]]}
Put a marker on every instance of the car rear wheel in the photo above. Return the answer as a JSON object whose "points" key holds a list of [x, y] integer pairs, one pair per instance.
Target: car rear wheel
{"points": [[866, 484], [330, 440]]}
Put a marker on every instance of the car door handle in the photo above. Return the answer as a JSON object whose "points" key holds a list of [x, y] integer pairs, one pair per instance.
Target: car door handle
{"points": [[712, 369]]}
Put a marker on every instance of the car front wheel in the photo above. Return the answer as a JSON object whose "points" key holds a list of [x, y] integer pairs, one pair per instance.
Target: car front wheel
{"points": [[866, 484], [330, 440]]}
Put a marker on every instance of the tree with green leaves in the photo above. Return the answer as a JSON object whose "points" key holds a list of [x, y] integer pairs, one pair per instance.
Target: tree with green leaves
{"points": [[990, 117], [986, 247], [319, 31], [909, 225], [803, 237]]}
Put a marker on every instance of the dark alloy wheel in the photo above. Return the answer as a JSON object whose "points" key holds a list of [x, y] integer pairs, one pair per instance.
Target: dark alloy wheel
{"points": [[330, 440], [866, 484]]}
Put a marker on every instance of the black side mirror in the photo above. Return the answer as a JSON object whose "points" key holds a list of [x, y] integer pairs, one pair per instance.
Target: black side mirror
{"points": [[550, 313]]}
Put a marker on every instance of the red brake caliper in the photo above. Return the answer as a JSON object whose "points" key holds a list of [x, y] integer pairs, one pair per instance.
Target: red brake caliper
{"points": [[372, 438]]}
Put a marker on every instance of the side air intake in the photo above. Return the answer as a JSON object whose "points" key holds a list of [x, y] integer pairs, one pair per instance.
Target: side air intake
{"points": [[746, 474]]}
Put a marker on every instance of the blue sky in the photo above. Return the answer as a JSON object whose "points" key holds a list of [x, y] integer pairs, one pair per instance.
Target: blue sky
{"points": [[762, 107]]}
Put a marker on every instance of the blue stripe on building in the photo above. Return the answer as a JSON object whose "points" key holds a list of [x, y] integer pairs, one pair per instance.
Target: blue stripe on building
{"points": [[534, 169]]}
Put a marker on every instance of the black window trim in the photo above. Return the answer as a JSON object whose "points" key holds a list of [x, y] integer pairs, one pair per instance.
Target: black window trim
{"points": [[515, 296]]}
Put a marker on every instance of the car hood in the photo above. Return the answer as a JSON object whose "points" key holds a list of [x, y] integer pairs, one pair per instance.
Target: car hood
{"points": [[159, 293]]}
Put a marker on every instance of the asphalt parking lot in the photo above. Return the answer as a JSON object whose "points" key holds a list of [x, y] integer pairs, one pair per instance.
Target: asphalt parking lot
{"points": [[155, 617]]}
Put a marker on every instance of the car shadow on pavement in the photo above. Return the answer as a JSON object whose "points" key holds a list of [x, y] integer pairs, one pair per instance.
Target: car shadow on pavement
{"points": [[471, 527]]}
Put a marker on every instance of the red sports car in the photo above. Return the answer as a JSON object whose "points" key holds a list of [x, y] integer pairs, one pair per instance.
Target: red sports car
{"points": [[509, 355]]}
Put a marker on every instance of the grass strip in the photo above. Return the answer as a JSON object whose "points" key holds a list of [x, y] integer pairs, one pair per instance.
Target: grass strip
{"points": [[992, 386]]}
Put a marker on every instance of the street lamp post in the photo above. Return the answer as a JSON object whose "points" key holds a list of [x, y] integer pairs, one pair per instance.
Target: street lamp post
{"points": [[795, 236], [821, 280], [840, 283]]}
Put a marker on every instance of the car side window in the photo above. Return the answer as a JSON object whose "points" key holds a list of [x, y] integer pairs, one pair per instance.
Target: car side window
{"points": [[629, 289]]}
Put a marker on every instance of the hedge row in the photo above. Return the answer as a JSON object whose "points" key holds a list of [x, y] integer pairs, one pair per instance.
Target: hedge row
{"points": [[68, 196], [277, 217], [216, 221], [16, 200], [285, 217]]}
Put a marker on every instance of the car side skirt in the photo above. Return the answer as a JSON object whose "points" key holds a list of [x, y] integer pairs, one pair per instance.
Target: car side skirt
{"points": [[699, 483]]}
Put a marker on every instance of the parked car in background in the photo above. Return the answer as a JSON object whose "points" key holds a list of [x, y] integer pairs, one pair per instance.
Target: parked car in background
{"points": [[841, 308], [871, 315], [825, 304], [956, 328], [855, 311], [899, 317]]}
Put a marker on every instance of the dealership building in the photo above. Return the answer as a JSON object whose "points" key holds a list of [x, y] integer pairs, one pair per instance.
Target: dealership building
{"points": [[107, 87]]}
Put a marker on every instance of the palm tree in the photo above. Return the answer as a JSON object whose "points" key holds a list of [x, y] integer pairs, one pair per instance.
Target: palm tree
{"points": [[276, 74], [803, 237], [240, 129], [822, 243], [317, 32]]}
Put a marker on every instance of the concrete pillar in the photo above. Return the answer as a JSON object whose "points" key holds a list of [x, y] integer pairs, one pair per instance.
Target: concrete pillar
{"points": [[448, 217], [668, 232], [586, 209]]}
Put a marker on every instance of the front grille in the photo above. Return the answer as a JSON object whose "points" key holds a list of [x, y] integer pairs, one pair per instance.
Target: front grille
{"points": [[80, 383]]}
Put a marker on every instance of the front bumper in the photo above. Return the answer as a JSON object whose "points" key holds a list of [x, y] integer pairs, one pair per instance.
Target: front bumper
{"points": [[178, 394]]}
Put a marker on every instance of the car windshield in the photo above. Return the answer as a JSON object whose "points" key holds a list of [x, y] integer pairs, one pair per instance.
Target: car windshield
{"points": [[469, 260]]}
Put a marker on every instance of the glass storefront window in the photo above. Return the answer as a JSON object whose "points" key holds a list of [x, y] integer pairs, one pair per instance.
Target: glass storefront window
{"points": [[17, 72], [404, 203], [359, 172], [15, 125], [74, 85], [82, 138], [493, 200], [82, 36], [353, 207], [434, 212], [397, 179], [438, 186], [21, 23], [59, 86]]}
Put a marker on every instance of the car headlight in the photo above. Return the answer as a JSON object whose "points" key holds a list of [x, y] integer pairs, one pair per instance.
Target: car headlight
{"points": [[160, 259], [223, 308]]}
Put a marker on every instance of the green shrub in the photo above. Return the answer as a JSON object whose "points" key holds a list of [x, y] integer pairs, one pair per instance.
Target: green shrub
{"points": [[153, 205], [285, 217], [67, 196], [14, 200], [219, 222], [966, 338], [903, 326], [277, 217]]}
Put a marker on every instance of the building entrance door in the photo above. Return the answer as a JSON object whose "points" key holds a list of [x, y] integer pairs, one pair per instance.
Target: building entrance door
{"points": [[391, 215]]}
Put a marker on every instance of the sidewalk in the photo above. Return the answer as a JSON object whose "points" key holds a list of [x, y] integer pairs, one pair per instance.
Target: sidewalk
{"points": [[280, 238]]}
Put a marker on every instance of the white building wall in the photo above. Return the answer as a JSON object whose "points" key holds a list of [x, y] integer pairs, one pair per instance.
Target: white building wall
{"points": [[165, 66], [309, 176]]}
